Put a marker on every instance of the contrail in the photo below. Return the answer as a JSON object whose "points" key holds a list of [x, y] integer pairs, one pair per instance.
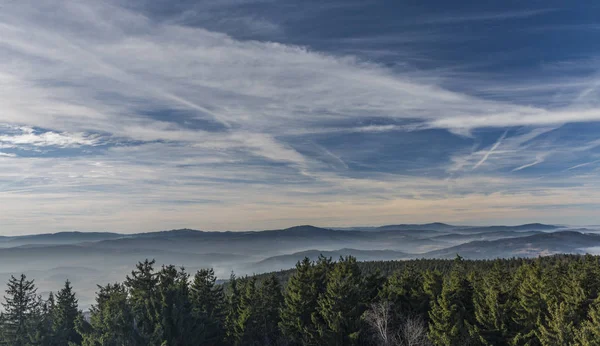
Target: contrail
{"points": [[496, 145]]}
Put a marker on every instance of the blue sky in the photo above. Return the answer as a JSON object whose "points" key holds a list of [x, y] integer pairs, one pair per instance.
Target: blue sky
{"points": [[144, 115]]}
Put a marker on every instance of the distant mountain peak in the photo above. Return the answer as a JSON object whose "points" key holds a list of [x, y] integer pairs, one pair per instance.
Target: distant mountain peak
{"points": [[303, 228]]}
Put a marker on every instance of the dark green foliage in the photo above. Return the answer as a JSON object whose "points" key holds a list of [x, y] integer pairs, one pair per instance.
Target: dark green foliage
{"points": [[64, 315], [342, 305], [111, 319], [143, 297], [174, 308], [492, 301], [269, 310], [233, 310], [546, 301], [452, 314], [208, 302], [300, 304], [405, 291], [21, 311]]}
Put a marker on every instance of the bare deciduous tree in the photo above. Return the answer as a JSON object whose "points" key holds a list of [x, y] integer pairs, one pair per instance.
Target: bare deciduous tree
{"points": [[379, 318], [413, 332]]}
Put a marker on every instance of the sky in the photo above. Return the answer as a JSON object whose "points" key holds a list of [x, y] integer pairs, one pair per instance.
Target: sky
{"points": [[143, 115]]}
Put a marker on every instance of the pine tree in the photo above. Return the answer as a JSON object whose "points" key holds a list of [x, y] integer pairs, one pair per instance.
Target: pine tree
{"points": [[111, 319], [493, 309], [233, 310], [143, 297], [269, 310], [589, 333], [341, 306], [64, 316], [529, 305], [405, 292], [452, 314], [300, 304], [208, 301], [433, 283], [44, 334], [248, 329], [175, 308], [558, 327], [21, 309]]}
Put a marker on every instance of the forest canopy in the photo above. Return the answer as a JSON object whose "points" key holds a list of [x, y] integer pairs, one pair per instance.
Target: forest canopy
{"points": [[545, 301]]}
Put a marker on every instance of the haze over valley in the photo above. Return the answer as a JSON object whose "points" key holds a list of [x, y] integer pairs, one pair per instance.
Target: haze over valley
{"points": [[88, 259]]}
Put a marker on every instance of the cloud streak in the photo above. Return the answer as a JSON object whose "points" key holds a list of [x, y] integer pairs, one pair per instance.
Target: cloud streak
{"points": [[116, 108]]}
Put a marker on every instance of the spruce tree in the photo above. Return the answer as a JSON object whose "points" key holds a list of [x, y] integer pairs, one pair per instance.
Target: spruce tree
{"points": [[208, 302], [404, 290], [21, 311], [530, 306], [248, 327], [433, 283], [44, 334], [269, 310], [300, 304], [144, 300], [64, 316], [111, 319], [233, 310], [493, 307], [558, 327], [175, 308], [341, 306], [589, 332], [452, 314]]}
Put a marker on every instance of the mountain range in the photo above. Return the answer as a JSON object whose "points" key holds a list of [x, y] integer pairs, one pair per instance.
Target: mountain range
{"points": [[101, 257]]}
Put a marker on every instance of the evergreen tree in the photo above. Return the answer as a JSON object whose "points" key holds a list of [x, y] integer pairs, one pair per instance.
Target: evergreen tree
{"points": [[143, 297], [529, 305], [233, 310], [64, 316], [404, 290], [558, 328], [111, 319], [175, 308], [300, 304], [271, 301], [589, 333], [433, 283], [208, 301], [341, 305], [452, 314], [493, 307], [21, 311], [44, 334], [248, 328]]}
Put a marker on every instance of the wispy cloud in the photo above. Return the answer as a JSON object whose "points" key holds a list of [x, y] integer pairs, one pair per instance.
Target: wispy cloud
{"points": [[490, 16], [143, 111]]}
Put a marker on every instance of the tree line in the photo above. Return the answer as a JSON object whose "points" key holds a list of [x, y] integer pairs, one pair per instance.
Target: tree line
{"points": [[529, 302]]}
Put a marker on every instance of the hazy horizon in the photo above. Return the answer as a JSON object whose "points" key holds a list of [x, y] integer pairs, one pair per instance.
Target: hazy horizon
{"points": [[301, 224], [140, 115]]}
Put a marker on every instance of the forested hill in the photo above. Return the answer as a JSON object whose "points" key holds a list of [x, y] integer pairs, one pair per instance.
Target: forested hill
{"points": [[545, 301], [88, 259]]}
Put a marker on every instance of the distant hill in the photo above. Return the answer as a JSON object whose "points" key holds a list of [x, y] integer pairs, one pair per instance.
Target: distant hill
{"points": [[435, 226], [57, 238], [492, 235], [518, 228], [542, 244], [109, 255], [288, 261]]}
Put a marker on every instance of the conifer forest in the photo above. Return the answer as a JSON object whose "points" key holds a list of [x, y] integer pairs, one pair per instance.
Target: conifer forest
{"points": [[544, 301]]}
